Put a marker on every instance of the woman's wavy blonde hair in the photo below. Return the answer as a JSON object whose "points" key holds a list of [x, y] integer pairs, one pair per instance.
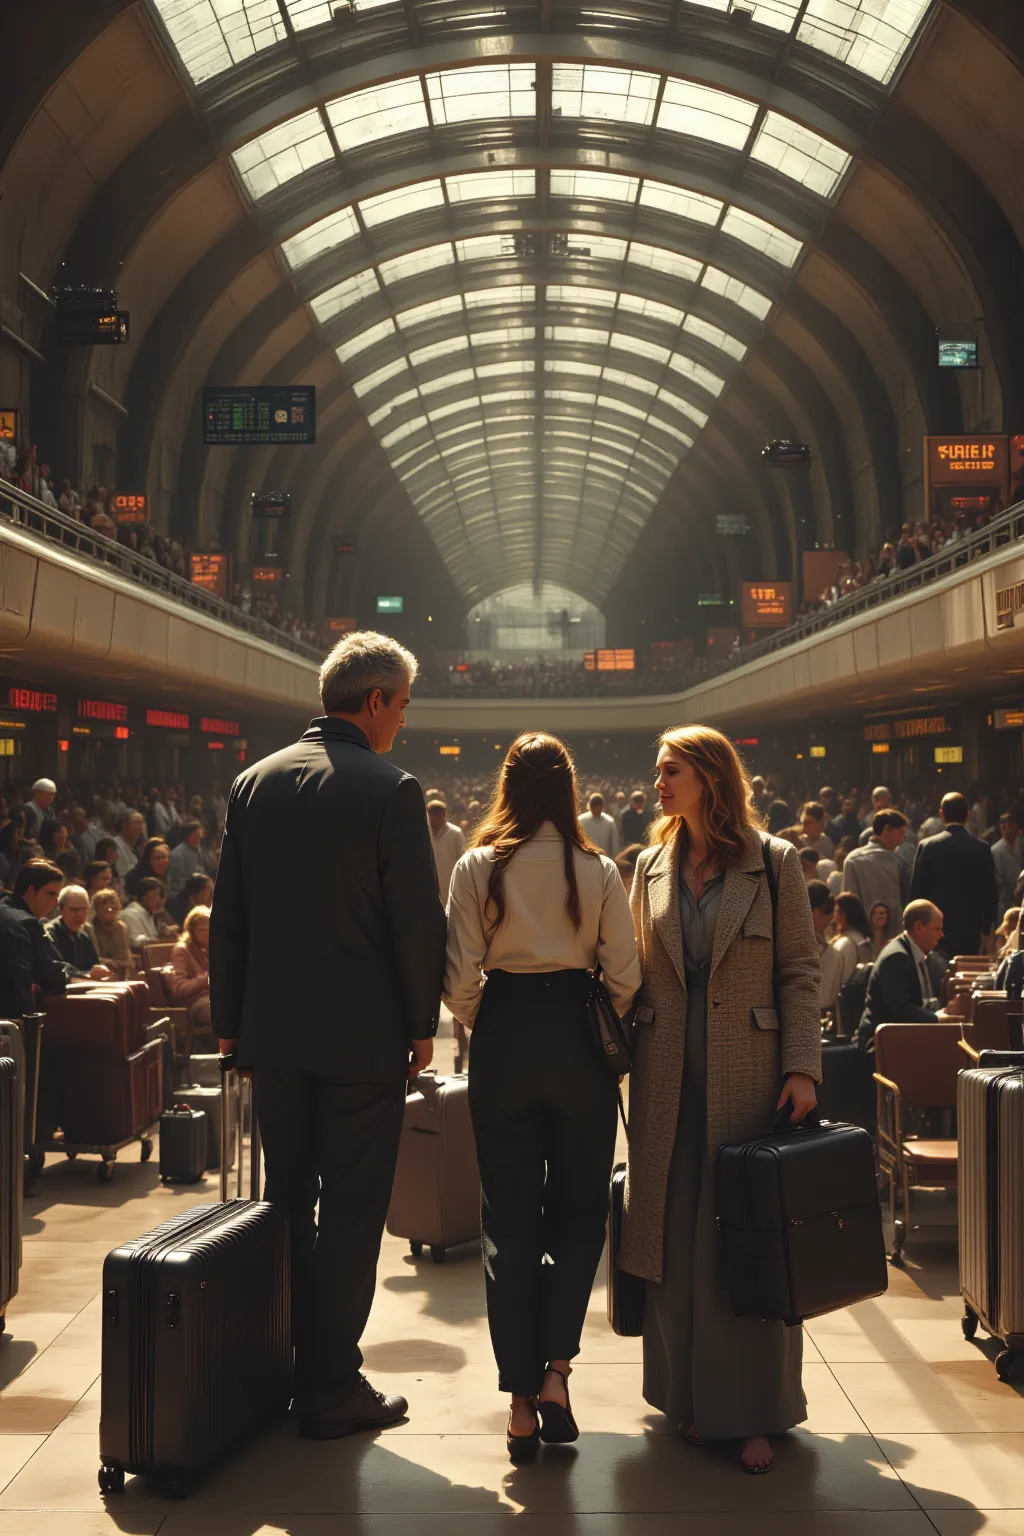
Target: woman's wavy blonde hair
{"points": [[727, 805]]}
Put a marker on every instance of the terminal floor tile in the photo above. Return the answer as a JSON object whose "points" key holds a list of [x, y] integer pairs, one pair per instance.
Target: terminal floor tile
{"points": [[910, 1432]]}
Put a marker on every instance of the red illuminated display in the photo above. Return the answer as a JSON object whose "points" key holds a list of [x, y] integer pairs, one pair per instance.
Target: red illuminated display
{"points": [[122, 733], [100, 709], [214, 727], [33, 702], [167, 719]]}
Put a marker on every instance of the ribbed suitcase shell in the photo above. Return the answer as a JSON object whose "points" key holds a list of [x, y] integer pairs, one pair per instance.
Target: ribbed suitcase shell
{"points": [[436, 1194], [799, 1222], [627, 1293], [196, 1339], [990, 1122]]}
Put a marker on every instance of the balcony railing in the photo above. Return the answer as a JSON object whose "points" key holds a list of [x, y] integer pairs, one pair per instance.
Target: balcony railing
{"points": [[55, 526]]}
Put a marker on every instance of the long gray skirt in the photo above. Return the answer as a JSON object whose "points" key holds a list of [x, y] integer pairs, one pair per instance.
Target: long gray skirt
{"points": [[723, 1375]]}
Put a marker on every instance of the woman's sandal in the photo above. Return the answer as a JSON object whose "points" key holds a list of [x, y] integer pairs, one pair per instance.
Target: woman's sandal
{"points": [[756, 1471], [692, 1438], [522, 1448], [558, 1427]]}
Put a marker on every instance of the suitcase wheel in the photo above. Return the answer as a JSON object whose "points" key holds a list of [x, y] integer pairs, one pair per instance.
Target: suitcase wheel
{"points": [[36, 1163], [179, 1484], [437, 1254], [147, 1148], [70, 1156], [1008, 1365], [415, 1249], [969, 1323], [111, 1478], [3, 1322], [105, 1171]]}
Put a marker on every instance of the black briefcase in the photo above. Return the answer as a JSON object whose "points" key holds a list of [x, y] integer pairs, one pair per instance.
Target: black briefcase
{"points": [[626, 1293], [799, 1221]]}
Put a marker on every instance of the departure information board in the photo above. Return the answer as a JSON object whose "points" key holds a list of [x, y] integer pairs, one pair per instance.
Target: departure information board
{"points": [[261, 414], [766, 604]]}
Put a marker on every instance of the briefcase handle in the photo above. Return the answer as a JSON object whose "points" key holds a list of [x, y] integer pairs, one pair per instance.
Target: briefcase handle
{"points": [[783, 1125]]}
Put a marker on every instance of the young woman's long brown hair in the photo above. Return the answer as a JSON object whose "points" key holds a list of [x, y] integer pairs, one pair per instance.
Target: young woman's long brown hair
{"points": [[727, 805], [537, 783]]}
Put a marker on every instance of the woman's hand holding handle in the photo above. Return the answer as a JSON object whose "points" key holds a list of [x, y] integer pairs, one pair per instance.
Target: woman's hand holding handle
{"points": [[798, 1091]]}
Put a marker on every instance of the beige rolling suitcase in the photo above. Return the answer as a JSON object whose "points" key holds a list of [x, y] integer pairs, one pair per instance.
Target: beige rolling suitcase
{"points": [[435, 1202]]}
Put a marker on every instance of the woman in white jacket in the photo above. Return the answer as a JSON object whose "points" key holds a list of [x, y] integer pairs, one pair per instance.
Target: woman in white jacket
{"points": [[533, 907]]}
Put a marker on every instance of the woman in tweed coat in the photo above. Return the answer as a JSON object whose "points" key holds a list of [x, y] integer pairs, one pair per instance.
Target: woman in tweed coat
{"points": [[712, 1066]]}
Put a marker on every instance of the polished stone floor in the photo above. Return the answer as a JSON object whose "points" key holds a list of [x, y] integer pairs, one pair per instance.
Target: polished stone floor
{"points": [[910, 1431]]}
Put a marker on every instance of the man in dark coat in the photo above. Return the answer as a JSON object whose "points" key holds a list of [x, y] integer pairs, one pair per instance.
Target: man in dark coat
{"points": [[327, 952], [957, 872], [27, 956], [900, 984], [67, 932]]}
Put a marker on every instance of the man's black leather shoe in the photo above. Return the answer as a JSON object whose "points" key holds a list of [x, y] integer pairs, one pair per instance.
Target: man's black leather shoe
{"points": [[363, 1408]]}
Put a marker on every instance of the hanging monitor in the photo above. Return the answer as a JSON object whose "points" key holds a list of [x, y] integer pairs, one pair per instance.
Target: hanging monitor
{"points": [[958, 354], [271, 504], [785, 453], [260, 415]]}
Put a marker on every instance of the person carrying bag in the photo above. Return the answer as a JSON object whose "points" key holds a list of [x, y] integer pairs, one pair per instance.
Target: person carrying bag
{"points": [[729, 1027], [534, 911]]}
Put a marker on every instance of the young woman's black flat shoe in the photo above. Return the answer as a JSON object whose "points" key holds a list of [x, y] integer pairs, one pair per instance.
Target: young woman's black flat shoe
{"points": [[523, 1448], [558, 1427]]}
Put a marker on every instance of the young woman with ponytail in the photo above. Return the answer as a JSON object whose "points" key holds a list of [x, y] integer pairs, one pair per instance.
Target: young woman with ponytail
{"points": [[533, 907]]}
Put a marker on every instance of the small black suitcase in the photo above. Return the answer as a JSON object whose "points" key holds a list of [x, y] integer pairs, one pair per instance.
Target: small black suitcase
{"points": [[197, 1353], [183, 1144], [212, 1103], [800, 1226], [847, 1092], [626, 1293]]}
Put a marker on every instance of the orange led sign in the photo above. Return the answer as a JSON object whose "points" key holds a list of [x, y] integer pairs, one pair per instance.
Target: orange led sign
{"points": [[766, 604]]}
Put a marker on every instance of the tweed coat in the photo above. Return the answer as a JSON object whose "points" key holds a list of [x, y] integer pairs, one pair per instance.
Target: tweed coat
{"points": [[749, 1048]]}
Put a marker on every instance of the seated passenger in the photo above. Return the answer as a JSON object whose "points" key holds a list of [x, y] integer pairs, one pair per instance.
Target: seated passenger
{"points": [[190, 981], [1010, 975], [70, 937], [851, 925], [97, 876], [196, 892], [12, 835], [822, 912], [879, 923], [110, 935], [146, 917], [27, 957], [153, 862], [900, 986]]}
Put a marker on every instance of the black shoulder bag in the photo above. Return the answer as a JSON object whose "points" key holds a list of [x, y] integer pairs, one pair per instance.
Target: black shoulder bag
{"points": [[612, 1035]]}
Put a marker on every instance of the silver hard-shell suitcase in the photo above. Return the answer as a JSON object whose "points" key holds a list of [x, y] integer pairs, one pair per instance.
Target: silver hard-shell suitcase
{"points": [[435, 1201], [990, 1119]]}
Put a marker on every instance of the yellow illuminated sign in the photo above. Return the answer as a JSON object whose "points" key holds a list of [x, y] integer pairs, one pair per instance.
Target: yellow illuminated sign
{"points": [[949, 754]]}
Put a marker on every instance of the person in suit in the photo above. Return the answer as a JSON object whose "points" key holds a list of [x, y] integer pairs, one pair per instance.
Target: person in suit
{"points": [[333, 1034], [70, 937], [708, 1070], [900, 984], [27, 956], [955, 872]]}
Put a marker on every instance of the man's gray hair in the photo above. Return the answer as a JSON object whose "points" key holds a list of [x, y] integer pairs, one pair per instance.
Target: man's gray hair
{"points": [[68, 891], [920, 911], [360, 663]]}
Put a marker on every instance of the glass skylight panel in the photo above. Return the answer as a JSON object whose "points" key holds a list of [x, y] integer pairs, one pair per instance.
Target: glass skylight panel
{"points": [[678, 403], [739, 293], [212, 35], [416, 262], [590, 90], [280, 154], [378, 112], [500, 396], [641, 348], [380, 414], [570, 394], [612, 403], [570, 365], [602, 186], [801, 154], [629, 380], [715, 336], [674, 431], [779, 14], [434, 310], [596, 247], [447, 381], [322, 236], [439, 412], [399, 201], [349, 291], [438, 349], [521, 294], [575, 334], [398, 434], [764, 237], [365, 339], [685, 205], [650, 309], [568, 293], [483, 247], [502, 334], [703, 113], [380, 376], [482, 184], [517, 365], [869, 35], [660, 260], [697, 372], [483, 91]]}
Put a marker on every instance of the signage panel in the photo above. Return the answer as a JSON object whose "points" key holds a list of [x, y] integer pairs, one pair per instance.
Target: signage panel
{"points": [[766, 604], [264, 415], [616, 661], [967, 461], [167, 719], [266, 575], [9, 424], [949, 754], [390, 604], [1008, 719], [209, 569], [450, 751], [101, 709], [342, 626], [130, 509], [214, 727], [32, 700], [819, 568]]}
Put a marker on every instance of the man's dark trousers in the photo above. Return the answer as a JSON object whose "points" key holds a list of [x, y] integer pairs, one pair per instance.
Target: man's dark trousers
{"points": [[336, 1142]]}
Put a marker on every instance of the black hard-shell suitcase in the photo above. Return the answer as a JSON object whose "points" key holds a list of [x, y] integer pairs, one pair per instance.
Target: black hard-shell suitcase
{"points": [[11, 1177], [847, 1091], [800, 1227], [213, 1105], [183, 1144], [197, 1350], [626, 1293], [990, 1124]]}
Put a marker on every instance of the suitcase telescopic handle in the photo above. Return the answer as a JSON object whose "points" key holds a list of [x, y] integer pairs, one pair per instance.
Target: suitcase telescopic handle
{"points": [[234, 1088]]}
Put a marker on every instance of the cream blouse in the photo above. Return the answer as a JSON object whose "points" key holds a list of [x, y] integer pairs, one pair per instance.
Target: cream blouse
{"points": [[537, 933]]}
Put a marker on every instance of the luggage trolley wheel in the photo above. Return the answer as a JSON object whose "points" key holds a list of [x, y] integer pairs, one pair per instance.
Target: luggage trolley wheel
{"points": [[71, 1155], [36, 1163], [898, 1239], [105, 1169], [415, 1249], [1008, 1365], [437, 1253], [147, 1148], [111, 1477], [969, 1322]]}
